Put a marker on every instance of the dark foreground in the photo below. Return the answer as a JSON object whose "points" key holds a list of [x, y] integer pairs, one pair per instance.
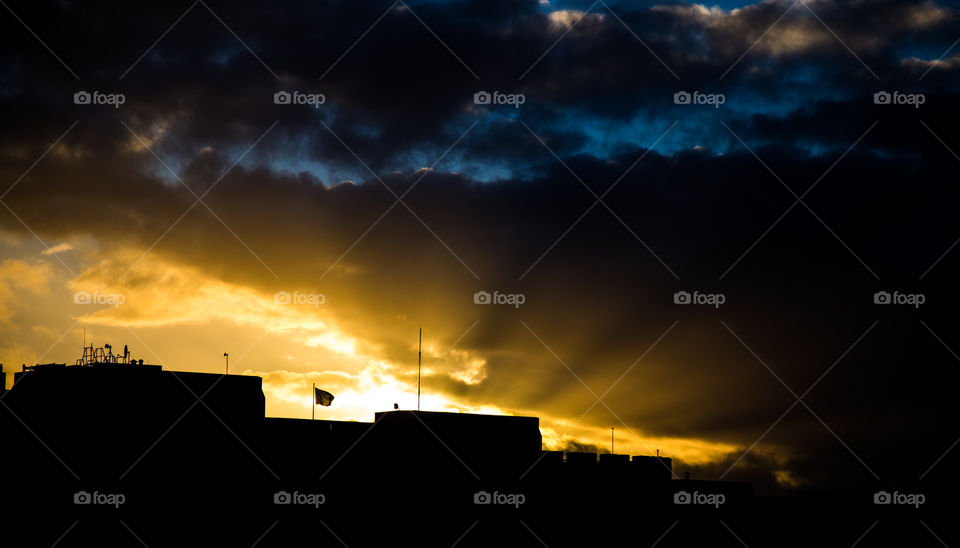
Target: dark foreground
{"points": [[133, 456]]}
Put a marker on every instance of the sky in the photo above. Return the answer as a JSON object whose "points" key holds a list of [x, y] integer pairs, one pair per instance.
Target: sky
{"points": [[187, 211]]}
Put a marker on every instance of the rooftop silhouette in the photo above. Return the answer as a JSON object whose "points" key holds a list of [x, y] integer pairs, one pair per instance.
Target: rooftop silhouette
{"points": [[80, 438]]}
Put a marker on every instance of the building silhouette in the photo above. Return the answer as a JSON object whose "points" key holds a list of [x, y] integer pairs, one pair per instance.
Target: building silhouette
{"points": [[185, 448]]}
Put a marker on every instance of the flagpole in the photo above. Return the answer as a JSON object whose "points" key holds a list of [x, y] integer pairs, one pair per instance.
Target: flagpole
{"points": [[313, 403]]}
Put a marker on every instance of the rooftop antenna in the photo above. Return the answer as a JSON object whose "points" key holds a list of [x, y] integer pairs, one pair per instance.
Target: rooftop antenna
{"points": [[419, 354]]}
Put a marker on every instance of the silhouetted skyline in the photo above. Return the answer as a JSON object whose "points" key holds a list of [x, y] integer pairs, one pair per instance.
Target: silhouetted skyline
{"points": [[727, 232]]}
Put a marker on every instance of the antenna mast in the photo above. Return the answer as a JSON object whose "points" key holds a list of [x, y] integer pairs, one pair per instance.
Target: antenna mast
{"points": [[419, 353]]}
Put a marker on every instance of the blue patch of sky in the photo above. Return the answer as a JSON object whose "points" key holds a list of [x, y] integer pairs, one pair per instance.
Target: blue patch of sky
{"points": [[605, 138]]}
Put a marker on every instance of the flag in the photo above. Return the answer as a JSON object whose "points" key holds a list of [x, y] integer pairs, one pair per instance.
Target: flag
{"points": [[322, 397]]}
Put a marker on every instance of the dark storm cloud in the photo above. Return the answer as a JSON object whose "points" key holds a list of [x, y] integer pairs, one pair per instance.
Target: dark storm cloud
{"points": [[399, 92], [598, 296]]}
